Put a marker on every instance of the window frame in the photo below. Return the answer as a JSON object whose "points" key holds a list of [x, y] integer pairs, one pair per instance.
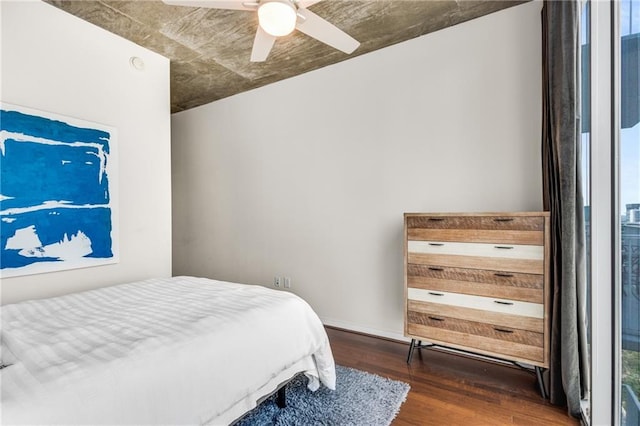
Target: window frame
{"points": [[603, 181]]}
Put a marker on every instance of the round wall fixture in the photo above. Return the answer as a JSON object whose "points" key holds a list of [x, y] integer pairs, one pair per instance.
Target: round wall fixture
{"points": [[136, 63]]}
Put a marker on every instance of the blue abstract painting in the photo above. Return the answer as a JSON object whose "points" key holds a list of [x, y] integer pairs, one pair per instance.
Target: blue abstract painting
{"points": [[57, 204]]}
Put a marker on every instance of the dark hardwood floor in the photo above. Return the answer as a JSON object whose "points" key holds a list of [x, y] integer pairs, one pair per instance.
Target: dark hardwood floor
{"points": [[449, 389]]}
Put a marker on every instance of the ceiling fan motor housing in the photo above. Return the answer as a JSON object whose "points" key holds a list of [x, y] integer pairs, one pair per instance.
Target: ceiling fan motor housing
{"points": [[277, 17]]}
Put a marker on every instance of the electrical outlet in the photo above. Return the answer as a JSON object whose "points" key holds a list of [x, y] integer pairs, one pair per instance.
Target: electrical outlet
{"points": [[287, 282], [277, 281]]}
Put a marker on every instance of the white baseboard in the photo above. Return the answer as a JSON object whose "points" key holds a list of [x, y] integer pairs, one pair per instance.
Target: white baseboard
{"points": [[363, 329]]}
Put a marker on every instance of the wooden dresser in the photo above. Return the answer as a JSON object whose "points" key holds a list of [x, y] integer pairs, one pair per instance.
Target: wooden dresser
{"points": [[478, 282]]}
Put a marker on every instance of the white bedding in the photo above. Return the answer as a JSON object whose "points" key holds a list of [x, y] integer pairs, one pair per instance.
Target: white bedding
{"points": [[165, 351]]}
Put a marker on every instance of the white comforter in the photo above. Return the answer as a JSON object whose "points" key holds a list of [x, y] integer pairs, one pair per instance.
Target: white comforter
{"points": [[172, 351]]}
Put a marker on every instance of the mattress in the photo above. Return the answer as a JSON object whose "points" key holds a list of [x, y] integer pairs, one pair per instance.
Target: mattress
{"points": [[181, 350]]}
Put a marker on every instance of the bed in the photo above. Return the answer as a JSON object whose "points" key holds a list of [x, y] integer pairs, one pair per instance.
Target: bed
{"points": [[181, 350]]}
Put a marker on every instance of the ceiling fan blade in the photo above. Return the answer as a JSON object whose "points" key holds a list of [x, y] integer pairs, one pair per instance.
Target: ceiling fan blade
{"points": [[262, 45], [303, 4], [215, 4], [322, 30]]}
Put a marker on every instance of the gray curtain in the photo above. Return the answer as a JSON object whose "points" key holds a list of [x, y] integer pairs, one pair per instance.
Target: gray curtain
{"points": [[568, 374]]}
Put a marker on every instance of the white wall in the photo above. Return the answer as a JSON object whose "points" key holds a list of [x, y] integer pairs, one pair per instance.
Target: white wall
{"points": [[309, 177], [55, 62]]}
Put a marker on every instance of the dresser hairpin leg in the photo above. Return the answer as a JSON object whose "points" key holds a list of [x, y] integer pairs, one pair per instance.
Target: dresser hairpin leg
{"points": [[540, 380], [412, 346], [417, 344]]}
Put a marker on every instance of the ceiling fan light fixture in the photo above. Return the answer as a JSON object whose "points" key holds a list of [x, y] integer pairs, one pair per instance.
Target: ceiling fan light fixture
{"points": [[277, 18]]}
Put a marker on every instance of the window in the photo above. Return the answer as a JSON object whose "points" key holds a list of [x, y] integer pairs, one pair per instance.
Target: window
{"points": [[629, 211], [614, 193]]}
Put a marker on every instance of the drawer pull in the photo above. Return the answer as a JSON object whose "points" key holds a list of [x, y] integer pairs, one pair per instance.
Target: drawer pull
{"points": [[503, 219], [504, 247], [436, 319], [502, 330], [431, 268], [500, 302], [500, 274], [436, 294], [436, 244], [436, 219]]}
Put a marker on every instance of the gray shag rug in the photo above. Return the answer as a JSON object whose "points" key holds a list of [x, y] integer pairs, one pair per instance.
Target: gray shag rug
{"points": [[360, 399]]}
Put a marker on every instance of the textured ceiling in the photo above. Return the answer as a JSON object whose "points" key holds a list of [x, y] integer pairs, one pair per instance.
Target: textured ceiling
{"points": [[209, 49]]}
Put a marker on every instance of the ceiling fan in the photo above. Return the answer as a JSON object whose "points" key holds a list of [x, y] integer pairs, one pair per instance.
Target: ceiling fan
{"points": [[278, 18]]}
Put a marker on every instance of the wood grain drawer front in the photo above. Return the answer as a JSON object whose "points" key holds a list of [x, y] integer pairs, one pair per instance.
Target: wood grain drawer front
{"points": [[470, 314], [504, 306], [502, 333], [510, 285], [532, 354], [477, 236], [506, 222]]}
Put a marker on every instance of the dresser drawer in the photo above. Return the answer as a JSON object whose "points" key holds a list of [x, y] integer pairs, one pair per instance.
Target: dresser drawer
{"points": [[523, 346], [491, 304], [501, 333], [514, 258], [510, 285], [506, 222], [477, 236], [504, 251], [471, 314]]}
